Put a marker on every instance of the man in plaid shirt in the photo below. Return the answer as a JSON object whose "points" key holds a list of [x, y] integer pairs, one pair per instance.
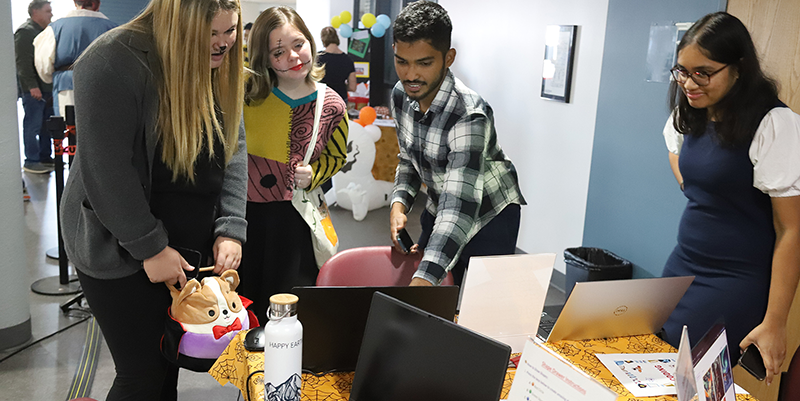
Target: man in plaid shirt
{"points": [[448, 142]]}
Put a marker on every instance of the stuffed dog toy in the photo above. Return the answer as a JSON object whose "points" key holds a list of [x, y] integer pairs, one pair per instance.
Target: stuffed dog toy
{"points": [[203, 319]]}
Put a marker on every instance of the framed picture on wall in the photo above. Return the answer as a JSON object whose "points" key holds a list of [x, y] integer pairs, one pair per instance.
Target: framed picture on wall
{"points": [[362, 69], [559, 56]]}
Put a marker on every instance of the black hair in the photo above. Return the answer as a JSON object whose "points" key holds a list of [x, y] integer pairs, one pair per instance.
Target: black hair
{"points": [[424, 20], [247, 26], [36, 5], [723, 38]]}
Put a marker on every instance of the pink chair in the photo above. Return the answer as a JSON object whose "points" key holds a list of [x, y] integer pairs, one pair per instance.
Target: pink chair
{"points": [[371, 266]]}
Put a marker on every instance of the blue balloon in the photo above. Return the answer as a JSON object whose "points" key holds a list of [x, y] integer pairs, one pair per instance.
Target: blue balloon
{"points": [[378, 30], [384, 21], [345, 30]]}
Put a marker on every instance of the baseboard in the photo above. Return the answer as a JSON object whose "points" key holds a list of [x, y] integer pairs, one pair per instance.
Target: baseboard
{"points": [[15, 335]]}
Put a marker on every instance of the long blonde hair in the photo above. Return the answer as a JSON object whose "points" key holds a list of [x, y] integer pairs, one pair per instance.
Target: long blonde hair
{"points": [[262, 78], [189, 102]]}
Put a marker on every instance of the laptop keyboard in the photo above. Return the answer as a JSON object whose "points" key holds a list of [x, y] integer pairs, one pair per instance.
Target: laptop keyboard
{"points": [[546, 324]]}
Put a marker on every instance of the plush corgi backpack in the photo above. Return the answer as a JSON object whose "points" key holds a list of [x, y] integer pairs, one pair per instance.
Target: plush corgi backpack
{"points": [[203, 319]]}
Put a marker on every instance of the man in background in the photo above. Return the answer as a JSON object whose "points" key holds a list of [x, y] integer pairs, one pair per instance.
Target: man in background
{"points": [[36, 95], [247, 27], [448, 142], [60, 44]]}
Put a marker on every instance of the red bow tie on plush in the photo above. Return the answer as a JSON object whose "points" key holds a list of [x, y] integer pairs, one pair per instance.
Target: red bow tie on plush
{"points": [[220, 331]]}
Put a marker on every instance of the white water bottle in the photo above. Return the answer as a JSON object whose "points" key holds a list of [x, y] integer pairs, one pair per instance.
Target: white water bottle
{"points": [[283, 350]]}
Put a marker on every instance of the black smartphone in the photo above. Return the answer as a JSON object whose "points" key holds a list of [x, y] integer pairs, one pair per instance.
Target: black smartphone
{"points": [[752, 362], [193, 258], [404, 240]]}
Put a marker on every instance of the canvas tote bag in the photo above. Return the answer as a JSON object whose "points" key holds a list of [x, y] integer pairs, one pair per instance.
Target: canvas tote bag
{"points": [[311, 204]]}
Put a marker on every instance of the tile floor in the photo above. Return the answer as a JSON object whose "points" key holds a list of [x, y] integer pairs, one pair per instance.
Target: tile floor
{"points": [[44, 370]]}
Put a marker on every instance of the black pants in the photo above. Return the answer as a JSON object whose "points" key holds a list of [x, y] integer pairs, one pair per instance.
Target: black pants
{"points": [[499, 237], [278, 254], [131, 312]]}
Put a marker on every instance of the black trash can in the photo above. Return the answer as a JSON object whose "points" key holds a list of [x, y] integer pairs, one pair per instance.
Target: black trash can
{"points": [[594, 264]]}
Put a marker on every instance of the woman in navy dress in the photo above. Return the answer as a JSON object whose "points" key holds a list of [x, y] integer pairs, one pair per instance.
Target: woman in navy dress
{"points": [[735, 151]]}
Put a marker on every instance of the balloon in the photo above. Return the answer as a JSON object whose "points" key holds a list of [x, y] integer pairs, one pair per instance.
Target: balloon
{"points": [[336, 21], [368, 20], [378, 30], [357, 121], [384, 21], [345, 16], [367, 115], [345, 30]]}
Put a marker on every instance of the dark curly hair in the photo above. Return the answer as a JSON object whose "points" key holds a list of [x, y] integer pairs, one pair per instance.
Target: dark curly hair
{"points": [[424, 20], [723, 38]]}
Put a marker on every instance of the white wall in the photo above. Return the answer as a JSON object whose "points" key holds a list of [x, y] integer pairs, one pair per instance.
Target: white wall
{"points": [[500, 56], [317, 14], [251, 8]]}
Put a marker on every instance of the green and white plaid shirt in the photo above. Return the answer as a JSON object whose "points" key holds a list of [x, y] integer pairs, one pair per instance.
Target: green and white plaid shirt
{"points": [[452, 148]]}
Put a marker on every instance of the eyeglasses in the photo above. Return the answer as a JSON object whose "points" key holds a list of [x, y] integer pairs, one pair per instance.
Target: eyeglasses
{"points": [[699, 77]]}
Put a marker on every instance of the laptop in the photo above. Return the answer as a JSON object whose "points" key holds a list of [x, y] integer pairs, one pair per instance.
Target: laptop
{"points": [[617, 308], [334, 318], [410, 354]]}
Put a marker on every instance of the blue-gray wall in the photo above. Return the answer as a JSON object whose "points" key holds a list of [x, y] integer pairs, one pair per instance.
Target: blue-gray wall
{"points": [[634, 204], [122, 11]]}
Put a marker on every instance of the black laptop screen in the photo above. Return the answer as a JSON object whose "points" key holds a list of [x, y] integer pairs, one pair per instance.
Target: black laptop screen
{"points": [[409, 354]]}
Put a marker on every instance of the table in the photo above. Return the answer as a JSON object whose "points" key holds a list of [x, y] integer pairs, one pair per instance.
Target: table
{"points": [[581, 354], [242, 368]]}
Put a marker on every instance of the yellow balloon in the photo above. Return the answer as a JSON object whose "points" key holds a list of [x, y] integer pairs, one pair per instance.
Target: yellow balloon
{"points": [[336, 21], [368, 20], [345, 17]]}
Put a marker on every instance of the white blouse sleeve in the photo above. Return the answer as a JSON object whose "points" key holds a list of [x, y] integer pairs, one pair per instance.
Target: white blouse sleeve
{"points": [[673, 139], [775, 153]]}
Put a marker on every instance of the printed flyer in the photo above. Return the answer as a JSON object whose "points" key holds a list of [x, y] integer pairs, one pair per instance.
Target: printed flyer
{"points": [[644, 375]]}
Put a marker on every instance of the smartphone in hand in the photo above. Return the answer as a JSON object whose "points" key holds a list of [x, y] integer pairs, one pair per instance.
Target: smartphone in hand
{"points": [[404, 240], [752, 362]]}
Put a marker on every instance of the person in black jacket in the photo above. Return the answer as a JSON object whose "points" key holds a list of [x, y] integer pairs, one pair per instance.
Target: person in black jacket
{"points": [[37, 99]]}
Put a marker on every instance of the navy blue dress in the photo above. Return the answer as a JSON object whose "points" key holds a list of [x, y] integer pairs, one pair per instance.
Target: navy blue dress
{"points": [[726, 239]]}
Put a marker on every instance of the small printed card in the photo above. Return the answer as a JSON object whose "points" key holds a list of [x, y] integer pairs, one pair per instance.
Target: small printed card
{"points": [[544, 376], [644, 375]]}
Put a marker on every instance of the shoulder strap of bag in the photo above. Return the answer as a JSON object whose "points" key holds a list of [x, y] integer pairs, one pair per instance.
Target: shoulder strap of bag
{"points": [[317, 113]]}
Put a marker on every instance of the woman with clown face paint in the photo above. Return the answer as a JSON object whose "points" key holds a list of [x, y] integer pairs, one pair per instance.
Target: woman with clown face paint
{"points": [[280, 101]]}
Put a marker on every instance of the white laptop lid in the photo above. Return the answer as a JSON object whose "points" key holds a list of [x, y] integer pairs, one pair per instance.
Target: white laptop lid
{"points": [[503, 296], [616, 308]]}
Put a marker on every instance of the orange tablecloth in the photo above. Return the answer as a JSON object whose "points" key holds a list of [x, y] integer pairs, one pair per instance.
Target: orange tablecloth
{"points": [[243, 369]]}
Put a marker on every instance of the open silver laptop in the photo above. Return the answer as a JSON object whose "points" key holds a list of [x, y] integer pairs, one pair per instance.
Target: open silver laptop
{"points": [[616, 308]]}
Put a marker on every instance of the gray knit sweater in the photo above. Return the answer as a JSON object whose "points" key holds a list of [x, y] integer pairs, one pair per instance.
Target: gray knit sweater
{"points": [[105, 213]]}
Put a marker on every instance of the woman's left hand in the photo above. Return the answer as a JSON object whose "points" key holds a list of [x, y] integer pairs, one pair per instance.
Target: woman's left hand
{"points": [[302, 176], [771, 342], [227, 254]]}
